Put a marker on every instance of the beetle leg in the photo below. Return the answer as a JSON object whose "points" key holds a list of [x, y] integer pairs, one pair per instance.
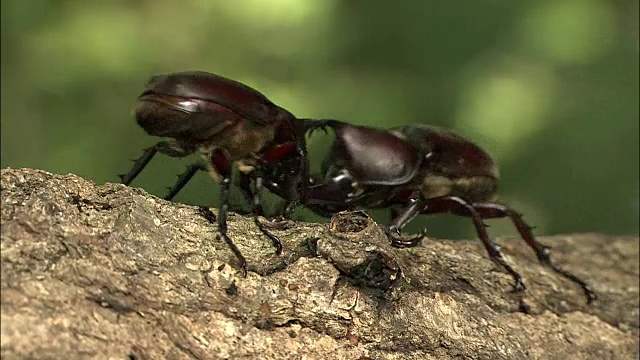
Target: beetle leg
{"points": [[461, 207], [400, 221], [495, 210], [244, 183], [138, 165], [184, 178], [285, 179], [259, 211], [303, 177], [288, 208], [295, 189], [171, 148], [222, 222], [394, 212]]}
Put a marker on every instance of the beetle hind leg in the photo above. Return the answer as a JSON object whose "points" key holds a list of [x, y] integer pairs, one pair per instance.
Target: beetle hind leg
{"points": [[222, 223], [259, 211], [495, 210], [461, 207], [211, 217]]}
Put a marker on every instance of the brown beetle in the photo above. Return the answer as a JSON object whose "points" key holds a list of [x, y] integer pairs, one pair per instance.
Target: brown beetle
{"points": [[230, 125], [417, 169]]}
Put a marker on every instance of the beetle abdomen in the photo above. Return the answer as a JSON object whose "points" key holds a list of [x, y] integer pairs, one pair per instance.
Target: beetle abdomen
{"points": [[471, 188]]}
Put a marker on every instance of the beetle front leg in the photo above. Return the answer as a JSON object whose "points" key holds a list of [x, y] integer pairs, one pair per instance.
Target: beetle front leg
{"points": [[461, 207], [400, 221], [223, 167], [495, 210], [259, 211], [171, 148], [302, 182], [225, 184]]}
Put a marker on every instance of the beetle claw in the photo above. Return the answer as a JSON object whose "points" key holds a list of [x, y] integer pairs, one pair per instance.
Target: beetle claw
{"points": [[277, 243], [398, 241], [243, 271], [518, 287]]}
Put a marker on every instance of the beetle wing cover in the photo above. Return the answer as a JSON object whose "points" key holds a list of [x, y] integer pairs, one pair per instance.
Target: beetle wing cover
{"points": [[165, 121], [373, 156], [240, 98], [456, 155]]}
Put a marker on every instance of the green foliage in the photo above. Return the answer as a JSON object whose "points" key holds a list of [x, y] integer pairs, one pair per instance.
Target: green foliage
{"points": [[550, 87]]}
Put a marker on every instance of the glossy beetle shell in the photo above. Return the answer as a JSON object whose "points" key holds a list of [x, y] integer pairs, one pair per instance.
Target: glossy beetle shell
{"points": [[373, 156], [198, 85], [453, 165], [198, 105]]}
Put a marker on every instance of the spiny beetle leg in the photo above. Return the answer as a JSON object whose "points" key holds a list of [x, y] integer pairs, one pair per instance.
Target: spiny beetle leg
{"points": [[461, 207], [184, 178], [259, 211], [138, 165], [400, 242], [401, 219], [222, 223], [276, 224], [495, 210], [170, 148]]}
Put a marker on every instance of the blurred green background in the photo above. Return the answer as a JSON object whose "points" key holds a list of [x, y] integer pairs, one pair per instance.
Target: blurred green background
{"points": [[550, 87]]}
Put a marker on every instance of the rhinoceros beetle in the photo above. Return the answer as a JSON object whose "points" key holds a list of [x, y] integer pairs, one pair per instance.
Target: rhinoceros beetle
{"points": [[231, 125], [417, 169]]}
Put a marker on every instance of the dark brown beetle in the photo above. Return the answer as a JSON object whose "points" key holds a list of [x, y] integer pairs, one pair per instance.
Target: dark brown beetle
{"points": [[418, 169], [230, 125]]}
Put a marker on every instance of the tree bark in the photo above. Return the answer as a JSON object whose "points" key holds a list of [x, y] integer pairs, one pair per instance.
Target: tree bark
{"points": [[111, 272]]}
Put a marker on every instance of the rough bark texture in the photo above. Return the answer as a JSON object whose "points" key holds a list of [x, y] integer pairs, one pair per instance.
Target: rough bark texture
{"points": [[112, 272]]}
